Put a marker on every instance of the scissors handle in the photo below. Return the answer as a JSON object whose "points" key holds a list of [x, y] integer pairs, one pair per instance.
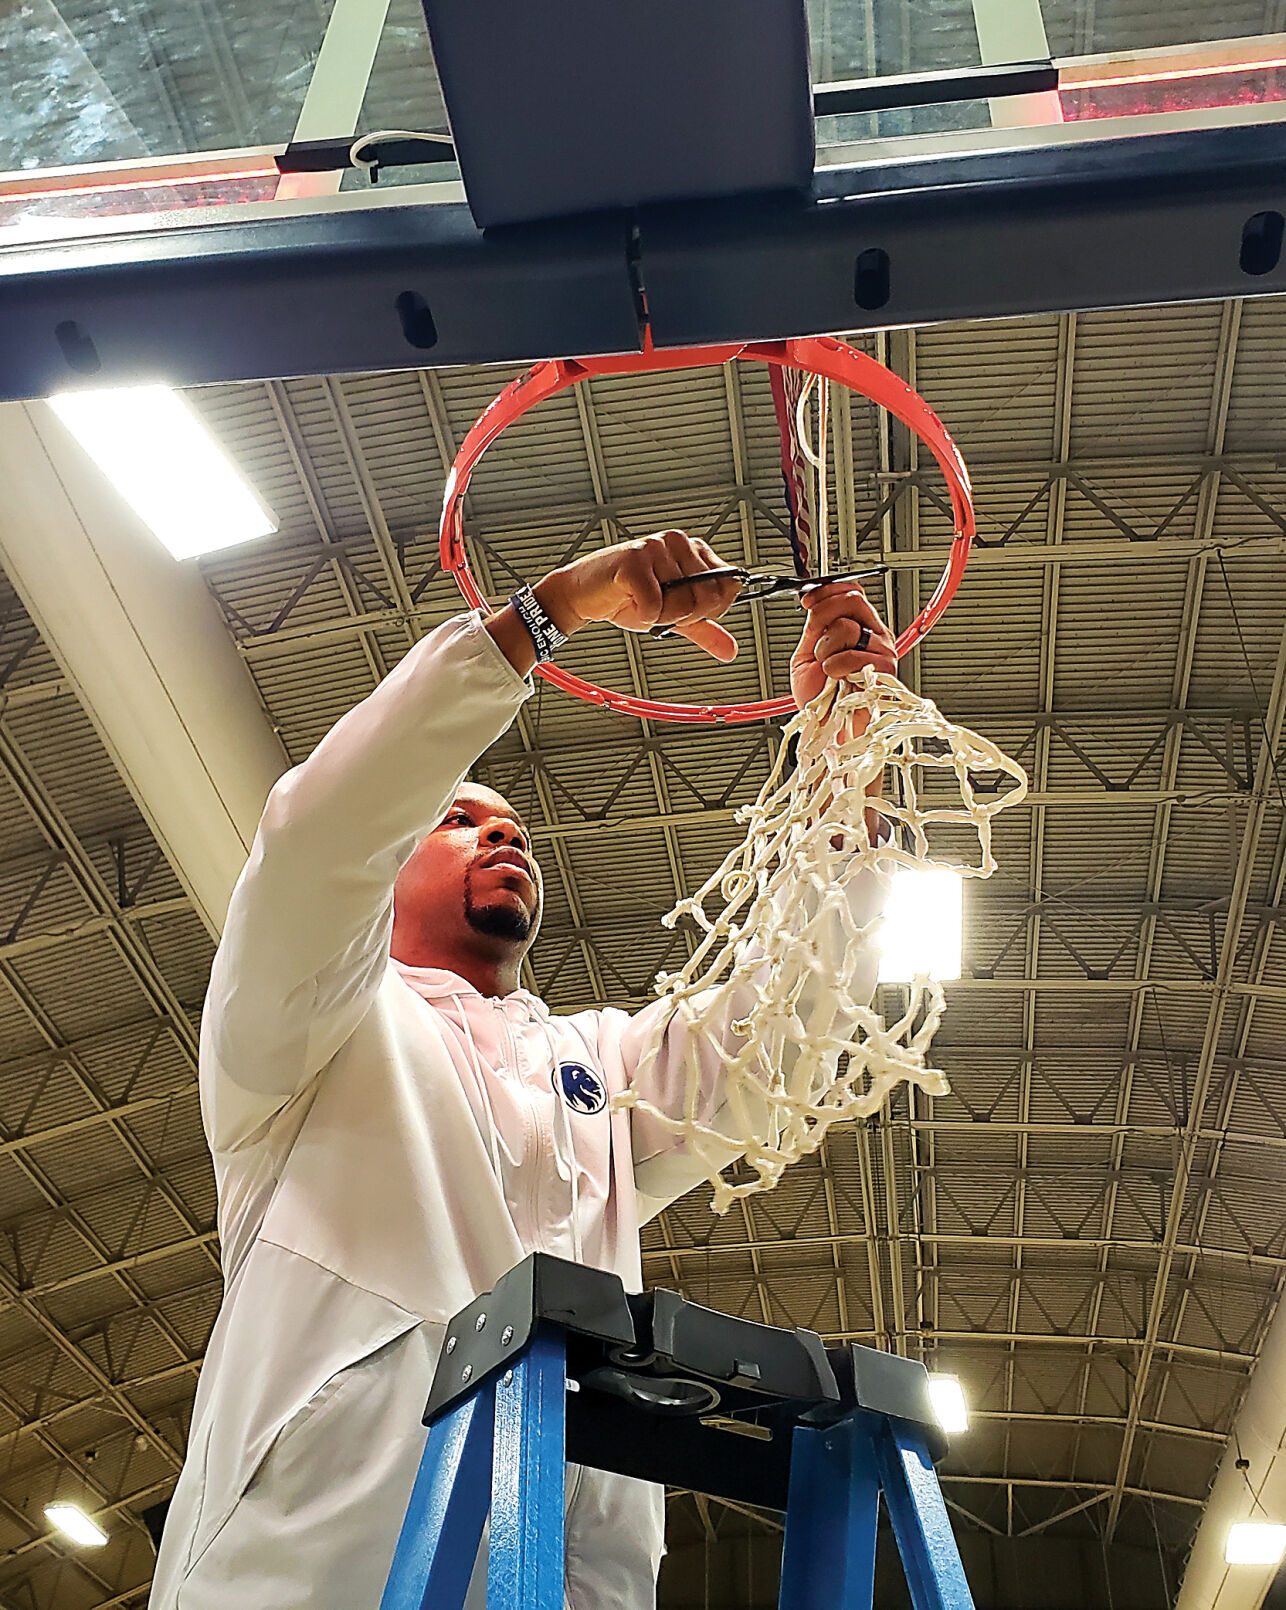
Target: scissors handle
{"points": [[720, 573]]}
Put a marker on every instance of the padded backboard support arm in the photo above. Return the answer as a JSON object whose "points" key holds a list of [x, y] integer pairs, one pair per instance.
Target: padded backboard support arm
{"points": [[573, 106]]}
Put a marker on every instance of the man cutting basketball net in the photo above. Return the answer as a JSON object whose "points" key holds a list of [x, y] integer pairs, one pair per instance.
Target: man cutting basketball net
{"points": [[395, 1122]]}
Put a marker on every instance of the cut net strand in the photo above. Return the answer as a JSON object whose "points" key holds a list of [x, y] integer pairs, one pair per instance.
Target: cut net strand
{"points": [[781, 1041], [786, 385], [819, 483]]}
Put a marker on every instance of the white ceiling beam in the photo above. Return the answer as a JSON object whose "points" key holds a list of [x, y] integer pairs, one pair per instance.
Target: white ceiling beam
{"points": [[1077, 798], [983, 1239], [33, 944], [1123, 1344], [1015, 555], [1053, 1484], [1061, 986], [1253, 1493], [1266, 779], [1207, 505], [140, 639], [1225, 370], [1051, 581]]}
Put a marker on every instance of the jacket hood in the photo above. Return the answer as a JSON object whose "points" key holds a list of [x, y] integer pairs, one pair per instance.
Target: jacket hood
{"points": [[439, 983]]}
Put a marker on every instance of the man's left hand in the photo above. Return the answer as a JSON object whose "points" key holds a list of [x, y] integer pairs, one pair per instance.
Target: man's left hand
{"points": [[843, 635]]}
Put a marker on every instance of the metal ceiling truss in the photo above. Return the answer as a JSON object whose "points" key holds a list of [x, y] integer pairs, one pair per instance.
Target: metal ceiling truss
{"points": [[736, 506], [90, 1355], [1107, 952], [1266, 778]]}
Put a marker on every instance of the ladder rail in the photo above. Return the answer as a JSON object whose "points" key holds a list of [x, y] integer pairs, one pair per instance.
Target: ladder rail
{"points": [[439, 1540]]}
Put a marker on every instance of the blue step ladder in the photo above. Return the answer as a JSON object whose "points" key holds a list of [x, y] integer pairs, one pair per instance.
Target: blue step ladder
{"points": [[557, 1363]]}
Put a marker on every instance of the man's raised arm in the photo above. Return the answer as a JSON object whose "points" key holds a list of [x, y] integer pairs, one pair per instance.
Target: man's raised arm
{"points": [[306, 941]]}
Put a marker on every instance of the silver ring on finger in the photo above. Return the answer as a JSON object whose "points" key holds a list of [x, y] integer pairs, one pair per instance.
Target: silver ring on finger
{"points": [[864, 639]]}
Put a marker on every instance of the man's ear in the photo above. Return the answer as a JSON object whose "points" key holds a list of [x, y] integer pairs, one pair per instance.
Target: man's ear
{"points": [[540, 904]]}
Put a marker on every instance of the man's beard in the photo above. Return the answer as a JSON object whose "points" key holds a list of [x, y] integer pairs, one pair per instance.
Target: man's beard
{"points": [[499, 921]]}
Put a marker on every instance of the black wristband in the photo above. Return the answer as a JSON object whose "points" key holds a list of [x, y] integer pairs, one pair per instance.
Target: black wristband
{"points": [[546, 639]]}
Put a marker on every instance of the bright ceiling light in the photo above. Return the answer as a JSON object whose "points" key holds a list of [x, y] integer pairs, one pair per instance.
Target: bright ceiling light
{"points": [[923, 926], [947, 1395], [948, 1399], [76, 1524], [1255, 1543], [151, 445]]}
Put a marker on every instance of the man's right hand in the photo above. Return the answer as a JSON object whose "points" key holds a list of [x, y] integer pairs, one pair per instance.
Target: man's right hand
{"points": [[623, 585]]}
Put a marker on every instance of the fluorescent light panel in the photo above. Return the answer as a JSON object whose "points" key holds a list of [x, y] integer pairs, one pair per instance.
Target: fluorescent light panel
{"points": [[151, 445], [948, 1399], [923, 926], [1254, 1543], [75, 1524]]}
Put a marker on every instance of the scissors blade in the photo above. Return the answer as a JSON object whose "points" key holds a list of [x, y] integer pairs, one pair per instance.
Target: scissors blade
{"points": [[760, 586], [807, 583], [773, 586]]}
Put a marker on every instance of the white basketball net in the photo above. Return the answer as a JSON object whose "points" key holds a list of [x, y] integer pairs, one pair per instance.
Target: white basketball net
{"points": [[803, 1053], [807, 1054]]}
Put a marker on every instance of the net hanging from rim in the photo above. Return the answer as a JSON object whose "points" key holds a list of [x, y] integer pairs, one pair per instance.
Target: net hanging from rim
{"points": [[777, 984], [788, 962]]}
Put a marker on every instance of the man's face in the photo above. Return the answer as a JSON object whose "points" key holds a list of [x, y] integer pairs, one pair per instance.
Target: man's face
{"points": [[472, 885]]}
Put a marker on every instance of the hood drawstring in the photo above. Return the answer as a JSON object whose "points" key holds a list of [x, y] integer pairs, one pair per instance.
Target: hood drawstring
{"points": [[562, 1121], [493, 1133]]}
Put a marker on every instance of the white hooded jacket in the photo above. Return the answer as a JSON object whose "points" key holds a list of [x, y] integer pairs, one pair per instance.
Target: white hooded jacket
{"points": [[387, 1143]]}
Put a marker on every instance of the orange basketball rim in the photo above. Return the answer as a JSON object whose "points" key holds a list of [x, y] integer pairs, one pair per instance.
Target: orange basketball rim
{"points": [[820, 355]]}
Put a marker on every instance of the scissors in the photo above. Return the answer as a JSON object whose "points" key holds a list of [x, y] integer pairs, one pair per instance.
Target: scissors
{"points": [[756, 584]]}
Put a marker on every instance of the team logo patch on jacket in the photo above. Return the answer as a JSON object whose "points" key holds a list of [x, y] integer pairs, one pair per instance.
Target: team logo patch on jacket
{"points": [[581, 1087]]}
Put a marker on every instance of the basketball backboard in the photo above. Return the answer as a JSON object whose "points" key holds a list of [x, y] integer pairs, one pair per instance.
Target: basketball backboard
{"points": [[85, 86], [147, 131]]}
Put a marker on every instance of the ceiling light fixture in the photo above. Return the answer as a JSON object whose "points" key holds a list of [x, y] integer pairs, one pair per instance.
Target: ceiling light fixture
{"points": [[1255, 1543], [948, 1399], [923, 926], [155, 450], [75, 1524]]}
